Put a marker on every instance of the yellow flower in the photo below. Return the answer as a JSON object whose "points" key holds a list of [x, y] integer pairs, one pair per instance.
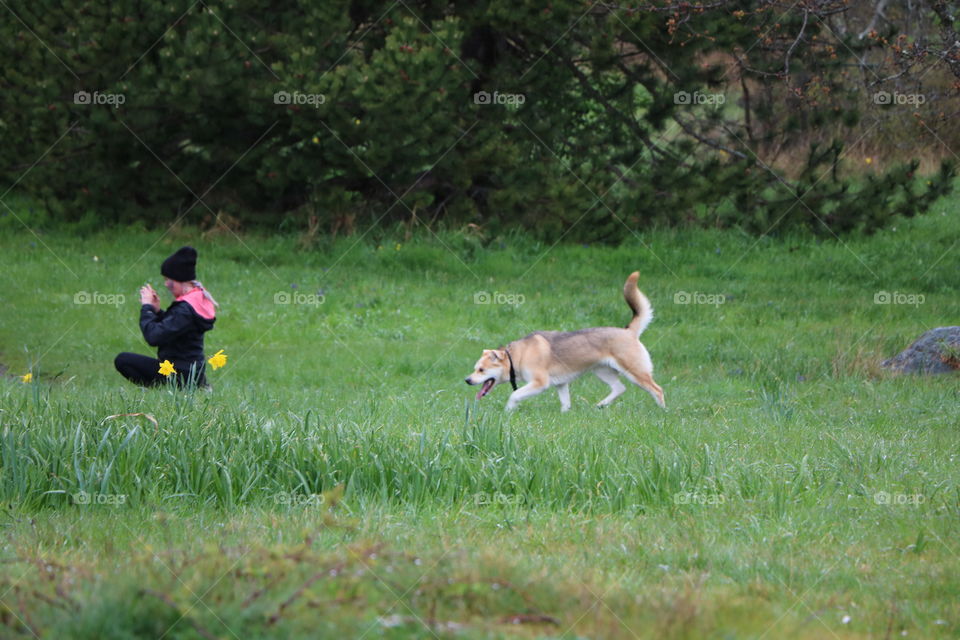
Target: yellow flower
{"points": [[316, 140], [166, 368], [218, 359], [26, 378], [868, 160]]}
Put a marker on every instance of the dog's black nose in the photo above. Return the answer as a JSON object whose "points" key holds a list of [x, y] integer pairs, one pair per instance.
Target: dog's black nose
{"points": [[467, 380]]}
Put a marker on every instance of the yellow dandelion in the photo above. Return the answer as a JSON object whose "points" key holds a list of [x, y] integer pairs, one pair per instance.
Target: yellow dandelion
{"points": [[27, 377], [166, 368], [316, 140], [218, 359], [868, 160]]}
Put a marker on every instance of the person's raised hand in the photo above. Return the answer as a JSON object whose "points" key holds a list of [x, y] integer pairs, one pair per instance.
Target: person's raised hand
{"points": [[149, 296]]}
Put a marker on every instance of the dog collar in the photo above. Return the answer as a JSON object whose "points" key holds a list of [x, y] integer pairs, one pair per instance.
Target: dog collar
{"points": [[513, 372]]}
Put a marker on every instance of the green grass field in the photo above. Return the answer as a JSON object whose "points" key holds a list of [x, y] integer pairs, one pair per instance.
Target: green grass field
{"points": [[341, 481]]}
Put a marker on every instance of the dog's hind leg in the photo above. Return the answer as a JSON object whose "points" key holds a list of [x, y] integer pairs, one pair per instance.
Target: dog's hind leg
{"points": [[563, 391], [645, 381], [616, 387]]}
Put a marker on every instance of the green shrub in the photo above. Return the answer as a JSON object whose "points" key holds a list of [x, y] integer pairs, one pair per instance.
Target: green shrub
{"points": [[340, 116]]}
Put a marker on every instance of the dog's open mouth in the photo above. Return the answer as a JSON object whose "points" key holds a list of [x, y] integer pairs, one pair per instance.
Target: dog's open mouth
{"points": [[485, 389]]}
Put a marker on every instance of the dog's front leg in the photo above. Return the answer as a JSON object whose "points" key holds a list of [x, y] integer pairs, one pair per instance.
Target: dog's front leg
{"points": [[526, 391]]}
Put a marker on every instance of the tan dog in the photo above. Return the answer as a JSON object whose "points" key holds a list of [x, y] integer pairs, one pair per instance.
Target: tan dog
{"points": [[547, 359]]}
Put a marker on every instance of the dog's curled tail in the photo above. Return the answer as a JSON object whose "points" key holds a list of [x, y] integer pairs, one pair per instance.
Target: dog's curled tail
{"points": [[642, 311]]}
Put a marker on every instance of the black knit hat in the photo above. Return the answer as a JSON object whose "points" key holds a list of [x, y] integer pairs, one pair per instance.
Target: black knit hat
{"points": [[181, 266]]}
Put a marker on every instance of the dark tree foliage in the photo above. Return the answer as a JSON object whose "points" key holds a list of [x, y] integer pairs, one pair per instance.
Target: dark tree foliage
{"points": [[578, 120]]}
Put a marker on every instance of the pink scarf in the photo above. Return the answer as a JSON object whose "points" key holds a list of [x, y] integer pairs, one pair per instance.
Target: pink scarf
{"points": [[201, 301]]}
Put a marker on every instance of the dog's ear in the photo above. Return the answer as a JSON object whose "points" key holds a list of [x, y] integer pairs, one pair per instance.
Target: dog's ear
{"points": [[494, 355]]}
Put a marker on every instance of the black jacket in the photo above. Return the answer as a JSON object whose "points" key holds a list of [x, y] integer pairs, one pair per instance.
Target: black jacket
{"points": [[177, 332]]}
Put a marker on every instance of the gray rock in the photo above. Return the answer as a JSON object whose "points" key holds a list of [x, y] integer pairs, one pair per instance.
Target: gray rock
{"points": [[936, 351]]}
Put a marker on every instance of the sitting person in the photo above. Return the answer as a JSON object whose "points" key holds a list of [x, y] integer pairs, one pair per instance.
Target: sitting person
{"points": [[177, 332]]}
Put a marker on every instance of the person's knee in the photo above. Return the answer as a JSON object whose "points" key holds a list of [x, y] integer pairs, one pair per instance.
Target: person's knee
{"points": [[121, 362]]}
